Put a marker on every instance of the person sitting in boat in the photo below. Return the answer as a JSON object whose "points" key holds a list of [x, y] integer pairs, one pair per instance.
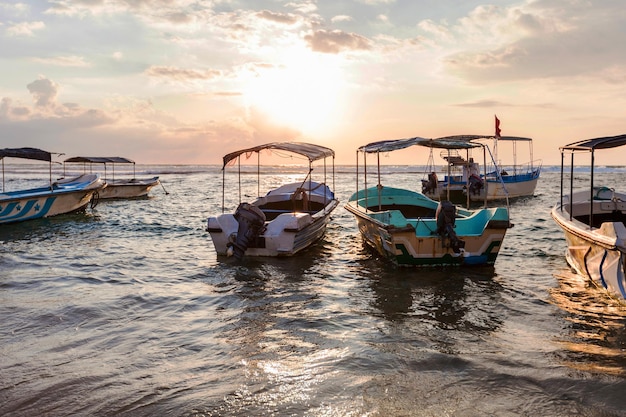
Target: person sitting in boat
{"points": [[474, 180], [475, 184], [430, 185]]}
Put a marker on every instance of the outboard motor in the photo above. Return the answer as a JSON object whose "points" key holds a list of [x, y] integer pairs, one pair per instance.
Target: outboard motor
{"points": [[251, 224], [446, 218]]}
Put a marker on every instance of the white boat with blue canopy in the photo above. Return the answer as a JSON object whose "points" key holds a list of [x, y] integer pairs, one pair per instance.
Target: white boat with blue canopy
{"points": [[411, 229], [593, 220], [498, 181], [284, 221], [116, 187], [62, 196]]}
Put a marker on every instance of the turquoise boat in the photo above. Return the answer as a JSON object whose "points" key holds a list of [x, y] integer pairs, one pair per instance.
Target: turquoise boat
{"points": [[411, 229]]}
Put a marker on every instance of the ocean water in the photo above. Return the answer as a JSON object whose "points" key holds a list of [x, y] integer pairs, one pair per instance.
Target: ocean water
{"points": [[125, 310]]}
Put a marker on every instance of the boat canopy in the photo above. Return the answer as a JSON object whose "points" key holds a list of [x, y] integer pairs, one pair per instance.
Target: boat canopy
{"points": [[26, 153], [391, 145], [446, 142], [101, 160], [597, 143], [511, 138], [311, 151], [454, 142]]}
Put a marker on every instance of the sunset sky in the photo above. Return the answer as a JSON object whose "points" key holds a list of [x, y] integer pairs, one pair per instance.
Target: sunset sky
{"points": [[186, 81]]}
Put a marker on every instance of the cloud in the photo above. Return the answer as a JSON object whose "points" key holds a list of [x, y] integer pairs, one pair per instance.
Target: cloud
{"points": [[134, 125], [304, 7], [336, 41], [283, 18], [9, 111], [25, 28], [64, 61], [376, 2], [44, 91], [537, 41], [341, 18], [181, 74], [484, 104], [15, 10]]}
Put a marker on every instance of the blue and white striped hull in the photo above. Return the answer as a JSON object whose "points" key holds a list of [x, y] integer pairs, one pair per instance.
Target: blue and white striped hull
{"points": [[65, 197], [34, 208]]}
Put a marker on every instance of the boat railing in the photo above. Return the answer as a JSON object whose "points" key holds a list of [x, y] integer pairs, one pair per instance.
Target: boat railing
{"points": [[528, 168]]}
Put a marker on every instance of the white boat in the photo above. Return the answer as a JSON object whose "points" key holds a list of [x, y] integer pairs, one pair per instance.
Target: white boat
{"points": [[283, 222], [58, 197], [411, 229], [116, 187], [593, 222], [497, 182]]}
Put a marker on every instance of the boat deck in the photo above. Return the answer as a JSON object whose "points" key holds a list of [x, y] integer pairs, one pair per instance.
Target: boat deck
{"points": [[274, 209], [603, 211], [599, 218], [407, 210]]}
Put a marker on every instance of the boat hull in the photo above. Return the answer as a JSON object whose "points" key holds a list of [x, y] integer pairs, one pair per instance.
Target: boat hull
{"points": [[66, 196], [414, 242], [598, 253], [512, 186], [134, 188], [286, 232]]}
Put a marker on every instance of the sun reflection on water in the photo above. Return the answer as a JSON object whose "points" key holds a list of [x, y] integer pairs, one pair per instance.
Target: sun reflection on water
{"points": [[597, 325]]}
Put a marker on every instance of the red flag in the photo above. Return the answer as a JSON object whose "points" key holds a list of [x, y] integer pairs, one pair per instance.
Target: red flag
{"points": [[497, 127]]}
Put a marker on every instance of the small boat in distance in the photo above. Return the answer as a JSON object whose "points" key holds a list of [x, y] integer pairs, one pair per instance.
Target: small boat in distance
{"points": [[59, 197], [286, 220], [411, 229], [116, 187], [593, 220]]}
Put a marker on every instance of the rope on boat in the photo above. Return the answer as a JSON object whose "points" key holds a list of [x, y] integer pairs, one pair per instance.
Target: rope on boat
{"points": [[166, 193], [432, 232]]}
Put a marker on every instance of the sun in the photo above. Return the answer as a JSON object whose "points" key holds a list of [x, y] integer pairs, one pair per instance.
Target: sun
{"points": [[304, 91]]}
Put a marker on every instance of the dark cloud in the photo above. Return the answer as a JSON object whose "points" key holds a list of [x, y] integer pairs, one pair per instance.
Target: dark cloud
{"points": [[181, 74], [336, 41], [44, 91], [484, 104]]}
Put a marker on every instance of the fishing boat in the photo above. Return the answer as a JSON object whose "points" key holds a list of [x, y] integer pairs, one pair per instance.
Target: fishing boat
{"points": [[117, 187], [592, 220], [62, 196], [286, 220], [411, 229], [499, 181]]}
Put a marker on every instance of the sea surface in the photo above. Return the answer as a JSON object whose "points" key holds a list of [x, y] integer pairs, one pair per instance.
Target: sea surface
{"points": [[126, 310]]}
